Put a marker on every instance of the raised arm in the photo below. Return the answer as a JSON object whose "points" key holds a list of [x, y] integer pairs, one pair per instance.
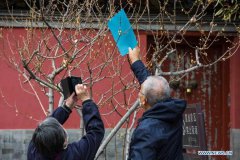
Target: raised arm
{"points": [[138, 68], [62, 113], [87, 147]]}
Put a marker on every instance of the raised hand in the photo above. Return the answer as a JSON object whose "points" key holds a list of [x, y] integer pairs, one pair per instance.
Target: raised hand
{"points": [[82, 92], [134, 54]]}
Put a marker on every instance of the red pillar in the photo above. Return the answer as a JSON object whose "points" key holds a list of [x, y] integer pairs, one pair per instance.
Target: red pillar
{"points": [[235, 105], [235, 90]]}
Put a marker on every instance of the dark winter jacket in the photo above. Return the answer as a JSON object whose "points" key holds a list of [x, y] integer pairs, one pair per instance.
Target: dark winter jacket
{"points": [[158, 135], [87, 146]]}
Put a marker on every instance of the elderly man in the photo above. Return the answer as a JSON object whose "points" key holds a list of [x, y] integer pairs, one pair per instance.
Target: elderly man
{"points": [[158, 135], [50, 140]]}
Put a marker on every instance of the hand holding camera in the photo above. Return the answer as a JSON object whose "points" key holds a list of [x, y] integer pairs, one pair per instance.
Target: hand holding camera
{"points": [[71, 101], [68, 85], [82, 92]]}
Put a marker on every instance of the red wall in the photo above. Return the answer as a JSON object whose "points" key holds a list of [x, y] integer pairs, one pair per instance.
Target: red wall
{"points": [[21, 110]]}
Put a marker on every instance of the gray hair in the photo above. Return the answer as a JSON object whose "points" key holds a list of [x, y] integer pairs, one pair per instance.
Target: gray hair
{"points": [[49, 137], [155, 88]]}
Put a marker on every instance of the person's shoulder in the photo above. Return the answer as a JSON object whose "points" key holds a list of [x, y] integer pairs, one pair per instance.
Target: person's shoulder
{"points": [[151, 122], [33, 153], [152, 129], [31, 148], [150, 125], [176, 100], [72, 151]]}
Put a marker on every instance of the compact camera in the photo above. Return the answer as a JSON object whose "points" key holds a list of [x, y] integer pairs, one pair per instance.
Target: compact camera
{"points": [[68, 85]]}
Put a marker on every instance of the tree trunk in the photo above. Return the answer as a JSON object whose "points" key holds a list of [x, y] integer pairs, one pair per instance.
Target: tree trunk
{"points": [[128, 136], [51, 101], [116, 128]]}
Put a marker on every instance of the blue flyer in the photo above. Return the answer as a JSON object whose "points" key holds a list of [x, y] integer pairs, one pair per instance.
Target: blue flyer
{"points": [[122, 32]]}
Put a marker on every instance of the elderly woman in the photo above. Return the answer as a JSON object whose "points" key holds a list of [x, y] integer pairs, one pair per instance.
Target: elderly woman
{"points": [[50, 140]]}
